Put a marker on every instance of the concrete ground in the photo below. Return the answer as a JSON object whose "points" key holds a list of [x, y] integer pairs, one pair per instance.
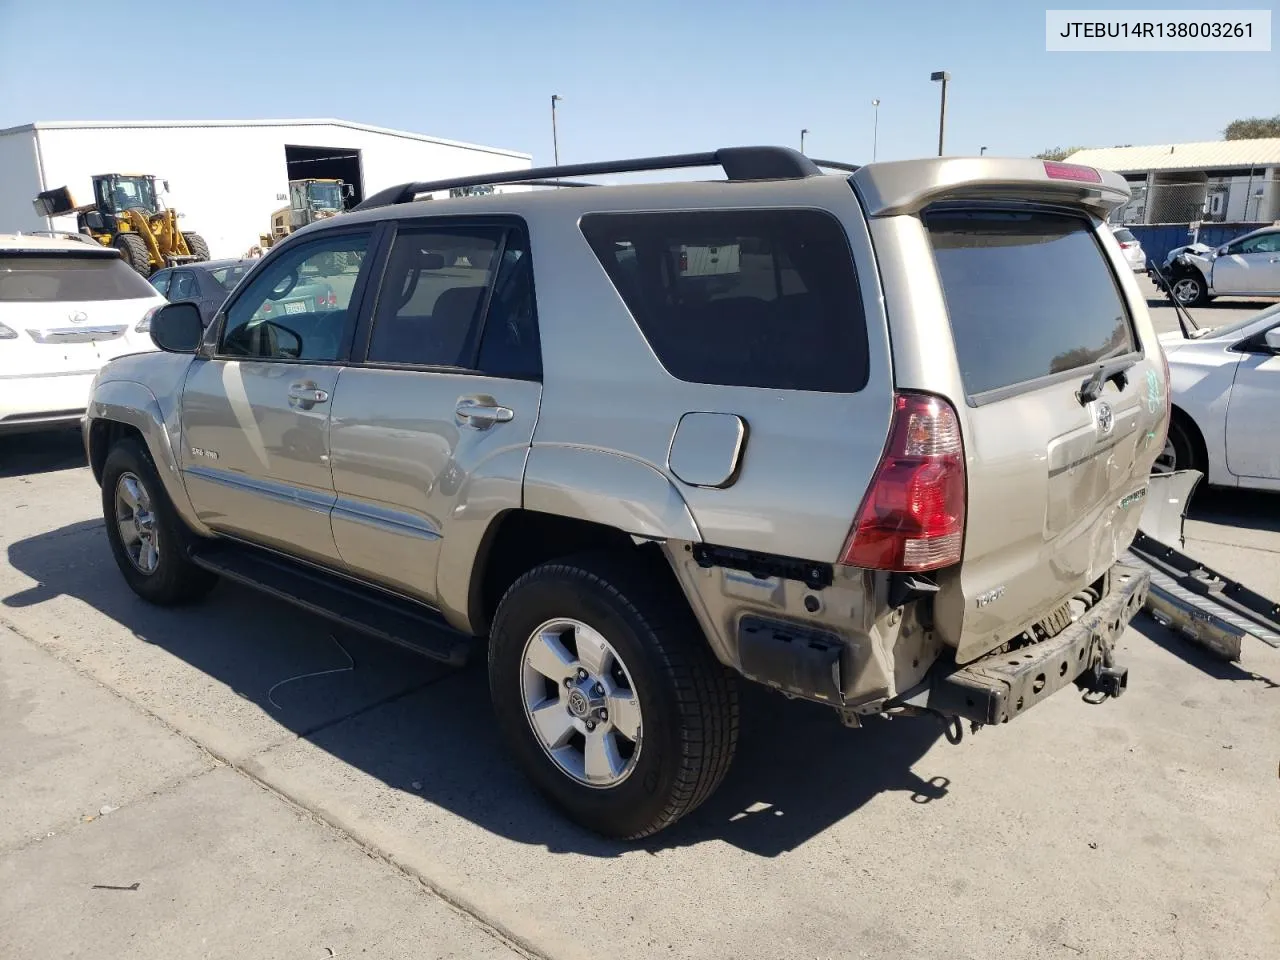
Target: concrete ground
{"points": [[369, 809]]}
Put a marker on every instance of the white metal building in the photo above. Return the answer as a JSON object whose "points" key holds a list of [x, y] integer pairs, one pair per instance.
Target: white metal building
{"points": [[1216, 181], [225, 177]]}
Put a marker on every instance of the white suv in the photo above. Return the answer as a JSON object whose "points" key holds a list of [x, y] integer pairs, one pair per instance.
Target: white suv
{"points": [[67, 306]]}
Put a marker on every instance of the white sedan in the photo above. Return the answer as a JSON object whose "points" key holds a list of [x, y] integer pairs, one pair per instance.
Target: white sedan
{"points": [[67, 306], [1225, 387]]}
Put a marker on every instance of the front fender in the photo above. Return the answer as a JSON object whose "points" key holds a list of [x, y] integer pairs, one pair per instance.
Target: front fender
{"points": [[134, 405], [607, 488]]}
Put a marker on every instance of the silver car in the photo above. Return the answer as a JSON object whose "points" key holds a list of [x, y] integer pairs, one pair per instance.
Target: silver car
{"points": [[1131, 247], [875, 439]]}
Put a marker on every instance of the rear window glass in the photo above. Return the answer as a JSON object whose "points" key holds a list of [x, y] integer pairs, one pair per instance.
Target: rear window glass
{"points": [[1124, 236], [32, 279], [765, 298], [1029, 294]]}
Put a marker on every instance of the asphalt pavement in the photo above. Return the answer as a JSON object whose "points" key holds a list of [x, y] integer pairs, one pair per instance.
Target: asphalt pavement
{"points": [[238, 779]]}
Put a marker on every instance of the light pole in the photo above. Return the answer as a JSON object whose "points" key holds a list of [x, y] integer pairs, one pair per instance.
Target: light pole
{"points": [[982, 151], [555, 142], [875, 129], [802, 133], [943, 76]]}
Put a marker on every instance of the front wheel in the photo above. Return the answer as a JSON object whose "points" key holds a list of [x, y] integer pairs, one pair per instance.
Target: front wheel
{"points": [[1190, 289], [195, 243], [608, 695], [148, 539]]}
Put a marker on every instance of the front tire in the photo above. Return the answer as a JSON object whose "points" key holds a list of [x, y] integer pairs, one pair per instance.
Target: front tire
{"points": [[195, 243], [1190, 289], [1180, 450], [134, 251], [608, 695], [148, 539]]}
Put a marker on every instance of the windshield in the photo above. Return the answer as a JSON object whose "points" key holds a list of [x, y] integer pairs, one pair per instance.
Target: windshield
{"points": [[325, 196], [130, 193]]}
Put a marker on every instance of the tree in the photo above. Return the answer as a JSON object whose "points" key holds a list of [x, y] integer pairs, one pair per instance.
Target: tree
{"points": [[1252, 128], [1058, 153]]}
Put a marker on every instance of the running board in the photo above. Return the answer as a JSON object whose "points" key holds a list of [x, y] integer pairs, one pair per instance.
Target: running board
{"points": [[356, 606], [1203, 605]]}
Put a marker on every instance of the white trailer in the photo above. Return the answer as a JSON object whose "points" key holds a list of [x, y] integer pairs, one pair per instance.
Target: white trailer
{"points": [[225, 177]]}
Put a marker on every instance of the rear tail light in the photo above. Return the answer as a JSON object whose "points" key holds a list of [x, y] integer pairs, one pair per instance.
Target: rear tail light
{"points": [[1070, 171], [912, 517], [684, 262], [327, 300], [144, 325]]}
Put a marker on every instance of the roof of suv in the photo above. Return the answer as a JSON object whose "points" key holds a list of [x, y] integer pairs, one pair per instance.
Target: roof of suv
{"points": [[53, 243]]}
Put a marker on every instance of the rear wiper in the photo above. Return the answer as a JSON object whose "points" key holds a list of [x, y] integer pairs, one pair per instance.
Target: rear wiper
{"points": [[1117, 370]]}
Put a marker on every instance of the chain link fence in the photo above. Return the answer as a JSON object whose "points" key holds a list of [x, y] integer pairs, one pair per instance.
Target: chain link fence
{"points": [[1239, 200]]}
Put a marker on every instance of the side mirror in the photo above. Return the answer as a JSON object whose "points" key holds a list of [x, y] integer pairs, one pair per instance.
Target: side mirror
{"points": [[1273, 339], [166, 185], [349, 189], [1221, 251], [176, 328]]}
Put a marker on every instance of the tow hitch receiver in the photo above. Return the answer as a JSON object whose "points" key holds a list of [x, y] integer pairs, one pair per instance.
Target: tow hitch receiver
{"points": [[1001, 686]]}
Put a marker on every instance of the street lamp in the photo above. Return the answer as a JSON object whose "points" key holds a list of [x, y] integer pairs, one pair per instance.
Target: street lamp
{"points": [[982, 151], [875, 129], [555, 142], [802, 133], [941, 76]]}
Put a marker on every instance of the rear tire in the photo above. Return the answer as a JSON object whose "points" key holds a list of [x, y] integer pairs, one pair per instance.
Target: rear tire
{"points": [[134, 251], [674, 727], [148, 539], [195, 243]]}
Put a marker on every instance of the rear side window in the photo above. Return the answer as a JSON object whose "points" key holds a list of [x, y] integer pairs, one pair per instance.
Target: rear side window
{"points": [[1124, 236], [752, 298], [37, 279], [1029, 293]]}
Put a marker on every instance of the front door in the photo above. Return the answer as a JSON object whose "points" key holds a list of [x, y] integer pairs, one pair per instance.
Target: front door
{"points": [[1250, 266], [432, 429], [1252, 450], [255, 416]]}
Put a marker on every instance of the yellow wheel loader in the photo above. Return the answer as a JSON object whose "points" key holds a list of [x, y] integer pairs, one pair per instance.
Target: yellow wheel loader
{"points": [[309, 201], [128, 214]]}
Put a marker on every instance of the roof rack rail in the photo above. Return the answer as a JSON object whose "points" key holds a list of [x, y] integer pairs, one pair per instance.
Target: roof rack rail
{"points": [[738, 163], [838, 165]]}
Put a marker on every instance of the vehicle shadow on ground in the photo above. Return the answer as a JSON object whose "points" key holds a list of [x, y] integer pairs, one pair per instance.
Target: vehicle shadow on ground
{"points": [[424, 729], [35, 453], [1243, 509], [1199, 657]]}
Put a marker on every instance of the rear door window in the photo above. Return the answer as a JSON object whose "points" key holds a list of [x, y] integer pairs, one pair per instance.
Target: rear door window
{"points": [[1124, 236], [69, 279], [1030, 294], [753, 298]]}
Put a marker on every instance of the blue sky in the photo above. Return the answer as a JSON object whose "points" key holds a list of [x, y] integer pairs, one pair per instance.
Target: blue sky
{"points": [[637, 78]]}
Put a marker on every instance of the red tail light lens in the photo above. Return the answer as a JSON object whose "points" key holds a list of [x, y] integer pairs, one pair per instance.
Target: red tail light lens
{"points": [[1071, 171], [912, 517]]}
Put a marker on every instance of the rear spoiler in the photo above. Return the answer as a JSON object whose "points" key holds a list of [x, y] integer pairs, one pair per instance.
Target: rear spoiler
{"points": [[908, 186]]}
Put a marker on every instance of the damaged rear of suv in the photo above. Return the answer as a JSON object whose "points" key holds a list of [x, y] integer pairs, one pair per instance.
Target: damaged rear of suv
{"points": [[876, 439]]}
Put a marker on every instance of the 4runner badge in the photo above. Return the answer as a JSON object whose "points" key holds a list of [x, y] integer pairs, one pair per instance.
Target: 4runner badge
{"points": [[991, 596]]}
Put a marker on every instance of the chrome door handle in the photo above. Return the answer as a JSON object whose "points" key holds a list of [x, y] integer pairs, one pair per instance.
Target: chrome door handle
{"points": [[482, 413], [306, 395]]}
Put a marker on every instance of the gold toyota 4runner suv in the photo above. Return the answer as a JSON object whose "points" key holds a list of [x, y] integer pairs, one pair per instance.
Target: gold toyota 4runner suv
{"points": [[873, 437]]}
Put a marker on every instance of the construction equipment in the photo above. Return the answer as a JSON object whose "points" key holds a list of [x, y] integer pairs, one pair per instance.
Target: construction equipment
{"points": [[129, 214], [309, 201]]}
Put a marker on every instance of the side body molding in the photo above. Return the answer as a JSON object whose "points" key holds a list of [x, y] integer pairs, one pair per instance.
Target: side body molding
{"points": [[604, 487]]}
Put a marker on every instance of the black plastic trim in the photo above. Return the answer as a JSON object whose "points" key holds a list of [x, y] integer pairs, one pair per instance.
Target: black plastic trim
{"points": [[812, 574]]}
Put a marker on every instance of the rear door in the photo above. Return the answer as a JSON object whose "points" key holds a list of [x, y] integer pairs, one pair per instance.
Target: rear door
{"points": [[432, 428], [1038, 303]]}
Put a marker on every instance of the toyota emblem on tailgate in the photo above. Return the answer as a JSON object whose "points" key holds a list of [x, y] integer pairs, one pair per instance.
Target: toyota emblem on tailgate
{"points": [[1106, 417], [78, 317]]}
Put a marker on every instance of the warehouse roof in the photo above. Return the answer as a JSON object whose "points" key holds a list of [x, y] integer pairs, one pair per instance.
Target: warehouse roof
{"points": [[315, 122], [1207, 155]]}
